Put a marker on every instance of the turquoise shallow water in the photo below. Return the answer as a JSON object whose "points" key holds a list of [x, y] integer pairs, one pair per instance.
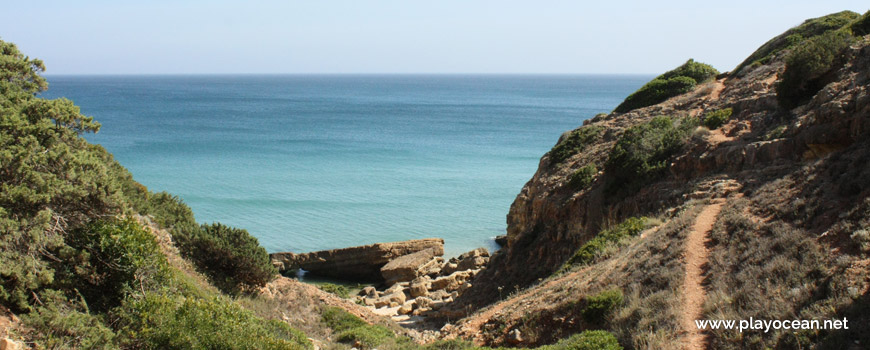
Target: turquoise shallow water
{"points": [[317, 162]]}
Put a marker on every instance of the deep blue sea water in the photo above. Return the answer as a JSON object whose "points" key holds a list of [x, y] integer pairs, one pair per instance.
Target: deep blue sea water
{"points": [[317, 162]]}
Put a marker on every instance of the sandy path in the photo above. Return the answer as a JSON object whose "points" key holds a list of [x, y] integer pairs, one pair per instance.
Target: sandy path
{"points": [[693, 291], [717, 89]]}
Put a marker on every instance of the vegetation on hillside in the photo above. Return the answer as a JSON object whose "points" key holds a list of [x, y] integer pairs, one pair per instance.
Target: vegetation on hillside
{"points": [[232, 258], [715, 119], [574, 143], [77, 266], [672, 83], [807, 65], [793, 37], [593, 249], [861, 26], [642, 153], [583, 177], [754, 260]]}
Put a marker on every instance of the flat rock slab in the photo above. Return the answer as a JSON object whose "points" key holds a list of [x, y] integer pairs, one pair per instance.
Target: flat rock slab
{"points": [[361, 263], [407, 267]]}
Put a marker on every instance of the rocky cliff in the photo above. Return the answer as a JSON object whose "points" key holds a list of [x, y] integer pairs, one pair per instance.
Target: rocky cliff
{"points": [[796, 176]]}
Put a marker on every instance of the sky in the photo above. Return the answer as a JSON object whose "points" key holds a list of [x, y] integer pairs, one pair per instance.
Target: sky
{"points": [[428, 37]]}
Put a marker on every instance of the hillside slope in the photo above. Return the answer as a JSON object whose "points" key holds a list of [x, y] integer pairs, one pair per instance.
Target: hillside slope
{"points": [[785, 144], [90, 259]]}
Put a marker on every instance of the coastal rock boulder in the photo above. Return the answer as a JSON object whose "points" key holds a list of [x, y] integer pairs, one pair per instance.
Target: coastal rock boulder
{"points": [[362, 263], [472, 260], [408, 267], [419, 286]]}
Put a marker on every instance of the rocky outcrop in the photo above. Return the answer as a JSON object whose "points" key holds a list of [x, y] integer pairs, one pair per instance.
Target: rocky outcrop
{"points": [[362, 263], [421, 282], [550, 220], [9, 344], [409, 267]]}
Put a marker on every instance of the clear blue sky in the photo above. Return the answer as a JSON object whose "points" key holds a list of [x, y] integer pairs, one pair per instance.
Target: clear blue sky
{"points": [[444, 36]]}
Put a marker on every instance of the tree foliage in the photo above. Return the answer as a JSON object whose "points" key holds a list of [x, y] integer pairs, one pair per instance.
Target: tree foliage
{"points": [[51, 179], [76, 264]]}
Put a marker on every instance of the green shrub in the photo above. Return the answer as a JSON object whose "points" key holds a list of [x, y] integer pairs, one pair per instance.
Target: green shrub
{"points": [[794, 36], [587, 340], [339, 320], [574, 143], [656, 91], [807, 65], [369, 337], [715, 119], [166, 321], [861, 26], [108, 258], [672, 83], [59, 324], [233, 259], [699, 72], [352, 329], [591, 249], [583, 177], [600, 305], [336, 289], [168, 211], [642, 152]]}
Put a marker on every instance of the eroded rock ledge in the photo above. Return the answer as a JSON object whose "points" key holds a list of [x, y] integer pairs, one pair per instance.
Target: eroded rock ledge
{"points": [[361, 263]]}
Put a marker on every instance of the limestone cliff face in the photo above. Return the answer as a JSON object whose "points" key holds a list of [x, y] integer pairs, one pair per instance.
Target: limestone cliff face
{"points": [[761, 142]]}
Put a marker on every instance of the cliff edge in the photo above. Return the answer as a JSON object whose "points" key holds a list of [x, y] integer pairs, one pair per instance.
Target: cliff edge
{"points": [[781, 144]]}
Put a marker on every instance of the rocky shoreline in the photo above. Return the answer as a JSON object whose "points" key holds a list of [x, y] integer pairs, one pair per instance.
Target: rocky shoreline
{"points": [[412, 280]]}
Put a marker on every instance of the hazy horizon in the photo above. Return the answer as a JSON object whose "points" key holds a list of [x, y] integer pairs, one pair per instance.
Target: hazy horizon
{"points": [[384, 37]]}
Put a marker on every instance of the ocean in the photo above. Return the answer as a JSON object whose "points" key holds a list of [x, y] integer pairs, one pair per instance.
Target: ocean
{"points": [[312, 162]]}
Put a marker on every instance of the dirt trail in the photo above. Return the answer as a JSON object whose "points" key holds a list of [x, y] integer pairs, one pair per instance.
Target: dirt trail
{"points": [[717, 89], [694, 293]]}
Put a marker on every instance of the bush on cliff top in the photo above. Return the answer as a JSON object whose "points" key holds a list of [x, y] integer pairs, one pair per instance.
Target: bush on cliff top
{"points": [[672, 83], [861, 26], [791, 38], [807, 65]]}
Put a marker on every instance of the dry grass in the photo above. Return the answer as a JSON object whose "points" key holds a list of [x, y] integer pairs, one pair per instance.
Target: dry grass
{"points": [[770, 268], [646, 268]]}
